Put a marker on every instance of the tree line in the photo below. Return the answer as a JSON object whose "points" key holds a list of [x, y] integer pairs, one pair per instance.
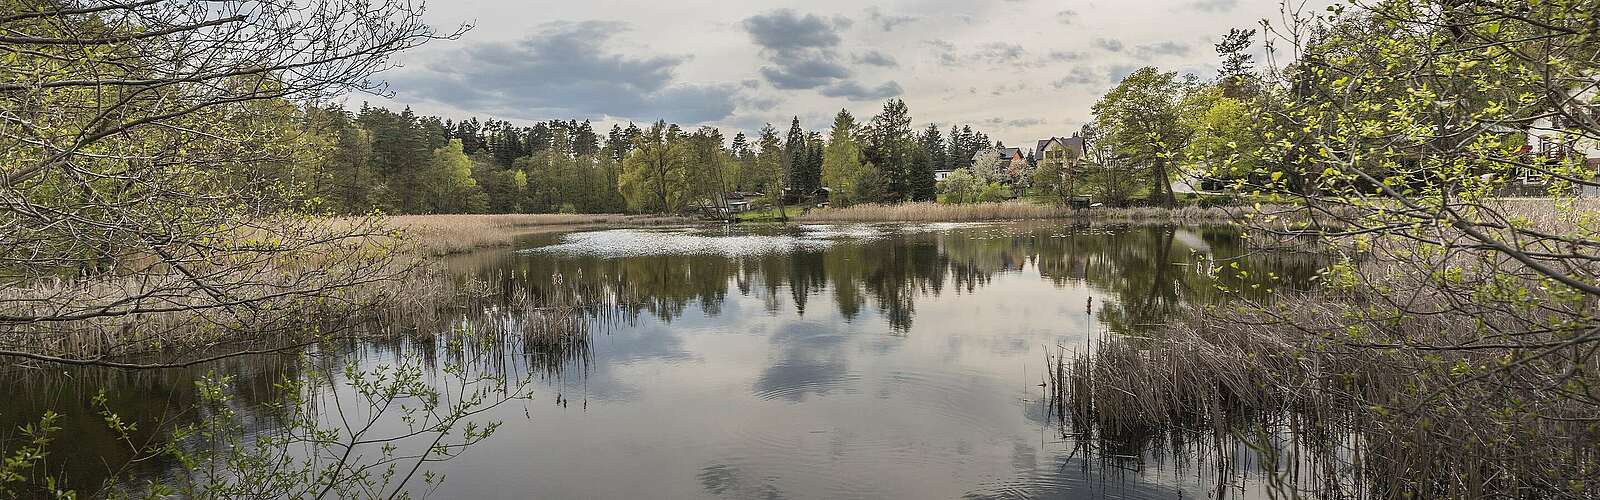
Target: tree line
{"points": [[402, 163]]}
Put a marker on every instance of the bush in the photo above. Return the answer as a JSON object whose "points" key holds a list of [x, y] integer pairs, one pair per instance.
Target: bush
{"points": [[994, 192]]}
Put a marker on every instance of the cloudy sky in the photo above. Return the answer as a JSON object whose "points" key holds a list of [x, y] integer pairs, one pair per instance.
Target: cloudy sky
{"points": [[1017, 69]]}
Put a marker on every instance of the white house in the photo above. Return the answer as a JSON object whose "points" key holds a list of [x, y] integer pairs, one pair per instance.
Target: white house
{"points": [[1553, 137]]}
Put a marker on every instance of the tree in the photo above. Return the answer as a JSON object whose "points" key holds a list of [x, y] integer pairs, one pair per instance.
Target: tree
{"points": [[655, 177], [713, 169], [989, 166], [128, 128], [933, 142], [1142, 122], [961, 187], [804, 176], [814, 147], [842, 169], [453, 188], [345, 181], [890, 146], [770, 162], [1225, 145], [1234, 74], [1398, 132]]}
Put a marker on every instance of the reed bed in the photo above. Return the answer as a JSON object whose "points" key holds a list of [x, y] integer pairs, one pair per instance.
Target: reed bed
{"points": [[437, 235], [333, 277], [1017, 210], [1334, 409]]}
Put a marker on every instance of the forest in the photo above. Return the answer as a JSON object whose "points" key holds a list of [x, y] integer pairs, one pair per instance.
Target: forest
{"points": [[402, 163]]}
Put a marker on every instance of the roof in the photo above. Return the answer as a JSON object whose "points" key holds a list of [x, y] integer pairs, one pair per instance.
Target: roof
{"points": [[1074, 142], [1005, 153]]}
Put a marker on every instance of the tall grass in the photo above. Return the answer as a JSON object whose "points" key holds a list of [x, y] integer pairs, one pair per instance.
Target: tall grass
{"points": [[1014, 210], [437, 235], [374, 285], [1362, 420]]}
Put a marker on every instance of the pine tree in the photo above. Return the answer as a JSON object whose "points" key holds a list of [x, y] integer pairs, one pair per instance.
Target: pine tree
{"points": [[890, 146], [933, 142], [802, 180]]}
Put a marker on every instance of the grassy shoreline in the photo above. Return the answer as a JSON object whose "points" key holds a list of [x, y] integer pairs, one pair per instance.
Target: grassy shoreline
{"points": [[441, 235], [1016, 210]]}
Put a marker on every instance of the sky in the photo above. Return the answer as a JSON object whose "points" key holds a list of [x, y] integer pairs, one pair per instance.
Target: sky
{"points": [[1019, 70]]}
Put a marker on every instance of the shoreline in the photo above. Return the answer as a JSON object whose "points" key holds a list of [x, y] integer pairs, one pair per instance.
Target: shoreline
{"points": [[445, 235], [1018, 210]]}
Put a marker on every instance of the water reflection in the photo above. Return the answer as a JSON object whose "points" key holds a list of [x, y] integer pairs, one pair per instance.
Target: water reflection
{"points": [[850, 361], [1147, 270]]}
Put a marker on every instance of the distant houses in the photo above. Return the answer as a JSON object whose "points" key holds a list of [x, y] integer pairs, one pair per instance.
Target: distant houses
{"points": [[1001, 164], [1016, 165]]}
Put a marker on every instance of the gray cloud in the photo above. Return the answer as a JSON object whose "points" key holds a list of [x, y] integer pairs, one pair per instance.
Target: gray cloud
{"points": [[800, 47], [1167, 48], [945, 52], [992, 53], [1001, 52], [1007, 89], [1078, 76], [761, 103], [1108, 44], [886, 21], [1067, 16], [564, 70], [1063, 56], [856, 92], [1015, 122], [876, 58], [785, 30], [806, 71], [1213, 5]]}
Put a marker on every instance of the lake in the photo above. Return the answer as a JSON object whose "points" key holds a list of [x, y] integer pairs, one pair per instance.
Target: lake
{"points": [[802, 361]]}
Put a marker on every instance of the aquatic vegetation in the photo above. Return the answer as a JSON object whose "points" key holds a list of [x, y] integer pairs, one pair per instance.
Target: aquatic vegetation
{"points": [[1341, 400]]}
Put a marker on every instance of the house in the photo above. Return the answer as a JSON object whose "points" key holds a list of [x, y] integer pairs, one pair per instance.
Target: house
{"points": [[1554, 139], [740, 202], [940, 175], [1058, 152]]}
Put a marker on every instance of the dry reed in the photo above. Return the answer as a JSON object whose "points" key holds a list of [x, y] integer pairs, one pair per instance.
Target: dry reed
{"points": [[437, 235], [375, 285], [1368, 420], [1016, 210]]}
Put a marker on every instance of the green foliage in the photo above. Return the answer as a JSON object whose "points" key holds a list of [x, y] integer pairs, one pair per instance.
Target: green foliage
{"points": [[395, 418], [960, 187], [17, 468], [963, 187], [1141, 120], [655, 177], [891, 146], [842, 166], [1226, 144], [453, 187]]}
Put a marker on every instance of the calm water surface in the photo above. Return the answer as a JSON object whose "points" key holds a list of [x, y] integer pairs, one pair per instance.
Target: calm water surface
{"points": [[842, 361]]}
